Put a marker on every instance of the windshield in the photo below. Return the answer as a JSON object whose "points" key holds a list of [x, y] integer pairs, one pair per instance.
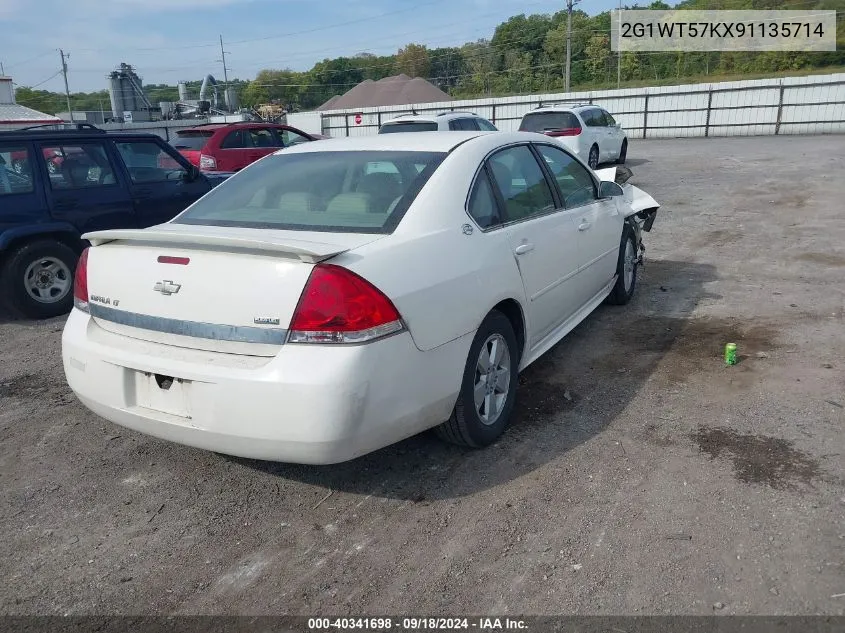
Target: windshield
{"points": [[542, 121], [351, 192], [191, 140], [410, 126]]}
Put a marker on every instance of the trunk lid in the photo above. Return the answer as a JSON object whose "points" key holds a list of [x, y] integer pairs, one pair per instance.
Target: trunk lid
{"points": [[229, 290]]}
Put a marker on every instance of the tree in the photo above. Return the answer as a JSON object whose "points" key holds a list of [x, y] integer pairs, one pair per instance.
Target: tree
{"points": [[413, 60]]}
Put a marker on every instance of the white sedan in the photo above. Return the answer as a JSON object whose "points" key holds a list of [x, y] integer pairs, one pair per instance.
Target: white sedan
{"points": [[337, 297]]}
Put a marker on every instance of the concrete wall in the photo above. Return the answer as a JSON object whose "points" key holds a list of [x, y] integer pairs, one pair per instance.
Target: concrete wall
{"points": [[792, 105]]}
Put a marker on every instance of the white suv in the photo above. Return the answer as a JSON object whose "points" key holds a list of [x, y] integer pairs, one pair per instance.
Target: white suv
{"points": [[465, 121], [584, 129]]}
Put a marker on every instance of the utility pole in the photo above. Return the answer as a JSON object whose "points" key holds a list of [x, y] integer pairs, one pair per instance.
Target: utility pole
{"points": [[569, 5], [67, 90], [225, 76]]}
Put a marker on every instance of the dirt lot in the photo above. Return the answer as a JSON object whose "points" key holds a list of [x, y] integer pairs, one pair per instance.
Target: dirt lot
{"points": [[641, 475]]}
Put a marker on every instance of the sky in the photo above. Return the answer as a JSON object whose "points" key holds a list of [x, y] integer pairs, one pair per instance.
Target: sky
{"points": [[171, 40]]}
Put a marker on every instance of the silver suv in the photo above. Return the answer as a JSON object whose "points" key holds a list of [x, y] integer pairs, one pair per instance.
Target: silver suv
{"points": [[460, 121]]}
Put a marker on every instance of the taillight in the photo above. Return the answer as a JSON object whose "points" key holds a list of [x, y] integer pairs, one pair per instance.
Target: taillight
{"points": [[338, 306], [208, 162], [80, 283], [568, 131]]}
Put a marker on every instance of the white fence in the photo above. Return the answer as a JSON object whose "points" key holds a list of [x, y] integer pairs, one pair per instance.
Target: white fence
{"points": [[792, 105]]}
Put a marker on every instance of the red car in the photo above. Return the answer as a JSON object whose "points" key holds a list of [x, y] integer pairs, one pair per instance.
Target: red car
{"points": [[233, 146]]}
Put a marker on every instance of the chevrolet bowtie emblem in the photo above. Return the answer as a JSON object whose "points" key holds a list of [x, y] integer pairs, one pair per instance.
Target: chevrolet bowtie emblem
{"points": [[167, 287]]}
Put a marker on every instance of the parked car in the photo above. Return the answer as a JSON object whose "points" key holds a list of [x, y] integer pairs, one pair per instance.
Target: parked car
{"points": [[230, 147], [461, 121], [375, 287], [587, 130], [99, 181]]}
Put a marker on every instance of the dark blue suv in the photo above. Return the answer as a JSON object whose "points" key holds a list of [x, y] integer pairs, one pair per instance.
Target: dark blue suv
{"points": [[57, 184]]}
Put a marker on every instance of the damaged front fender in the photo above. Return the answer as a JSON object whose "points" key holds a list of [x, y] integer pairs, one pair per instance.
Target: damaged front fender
{"points": [[637, 201]]}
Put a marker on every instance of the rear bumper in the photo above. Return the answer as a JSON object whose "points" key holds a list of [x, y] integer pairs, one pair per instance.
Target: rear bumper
{"points": [[309, 404]]}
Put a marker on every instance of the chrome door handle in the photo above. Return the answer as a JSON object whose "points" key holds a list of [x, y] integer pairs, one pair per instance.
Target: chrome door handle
{"points": [[523, 248], [584, 226]]}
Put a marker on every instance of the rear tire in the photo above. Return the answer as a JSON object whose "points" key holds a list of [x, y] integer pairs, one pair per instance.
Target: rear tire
{"points": [[488, 389], [626, 269], [623, 153], [37, 279], [593, 158]]}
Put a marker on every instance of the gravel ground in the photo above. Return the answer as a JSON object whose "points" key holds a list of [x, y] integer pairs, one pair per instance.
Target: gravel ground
{"points": [[641, 476]]}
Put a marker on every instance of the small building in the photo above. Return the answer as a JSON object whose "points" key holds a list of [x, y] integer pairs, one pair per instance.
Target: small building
{"points": [[13, 116], [390, 91]]}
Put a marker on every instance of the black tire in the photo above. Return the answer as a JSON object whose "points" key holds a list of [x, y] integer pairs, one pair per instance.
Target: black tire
{"points": [[621, 294], [13, 279], [593, 158], [623, 153], [465, 427]]}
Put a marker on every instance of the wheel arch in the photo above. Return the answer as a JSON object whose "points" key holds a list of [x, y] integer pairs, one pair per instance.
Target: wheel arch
{"points": [[514, 313]]}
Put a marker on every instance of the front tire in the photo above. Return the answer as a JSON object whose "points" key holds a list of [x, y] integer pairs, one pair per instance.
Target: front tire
{"points": [[37, 279], [623, 153], [488, 389], [626, 269]]}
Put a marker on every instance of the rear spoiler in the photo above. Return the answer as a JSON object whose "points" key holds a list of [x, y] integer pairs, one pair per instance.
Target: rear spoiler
{"points": [[638, 199], [308, 252]]}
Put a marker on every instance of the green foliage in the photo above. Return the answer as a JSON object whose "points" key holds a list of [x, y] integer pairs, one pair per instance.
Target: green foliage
{"points": [[526, 54]]}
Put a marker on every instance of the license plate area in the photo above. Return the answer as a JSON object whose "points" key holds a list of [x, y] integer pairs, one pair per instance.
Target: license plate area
{"points": [[166, 394]]}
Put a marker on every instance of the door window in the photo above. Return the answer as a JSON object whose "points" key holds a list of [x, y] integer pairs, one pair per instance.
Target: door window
{"points": [[521, 182], [486, 126], [81, 166], [609, 120], [289, 137], [237, 139], [576, 186], [482, 202], [262, 137], [147, 161], [593, 117], [15, 170]]}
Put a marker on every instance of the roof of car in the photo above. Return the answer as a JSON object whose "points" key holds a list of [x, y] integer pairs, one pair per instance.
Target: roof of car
{"points": [[563, 107], [442, 116], [411, 141]]}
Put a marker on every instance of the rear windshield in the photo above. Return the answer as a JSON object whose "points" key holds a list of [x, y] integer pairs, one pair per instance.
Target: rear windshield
{"points": [[542, 121], [191, 140], [410, 126], [345, 192]]}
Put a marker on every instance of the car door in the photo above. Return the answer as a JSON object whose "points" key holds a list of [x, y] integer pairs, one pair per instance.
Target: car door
{"points": [[615, 134], [542, 236], [235, 151], [85, 187], [598, 222], [22, 198], [263, 142], [161, 181]]}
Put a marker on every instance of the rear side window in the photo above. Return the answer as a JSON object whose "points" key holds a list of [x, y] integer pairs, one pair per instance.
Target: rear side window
{"points": [[344, 192], [468, 125], [81, 166], [594, 118], [191, 140], [545, 121], [238, 139], [15, 170], [410, 126]]}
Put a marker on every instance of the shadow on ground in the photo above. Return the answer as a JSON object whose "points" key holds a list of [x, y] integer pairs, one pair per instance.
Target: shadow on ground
{"points": [[567, 397]]}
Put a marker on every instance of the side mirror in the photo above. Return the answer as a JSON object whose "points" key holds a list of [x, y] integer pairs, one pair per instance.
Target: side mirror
{"points": [[192, 174], [610, 190]]}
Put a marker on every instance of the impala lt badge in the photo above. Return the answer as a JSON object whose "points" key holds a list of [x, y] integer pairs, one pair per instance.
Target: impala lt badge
{"points": [[167, 287]]}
